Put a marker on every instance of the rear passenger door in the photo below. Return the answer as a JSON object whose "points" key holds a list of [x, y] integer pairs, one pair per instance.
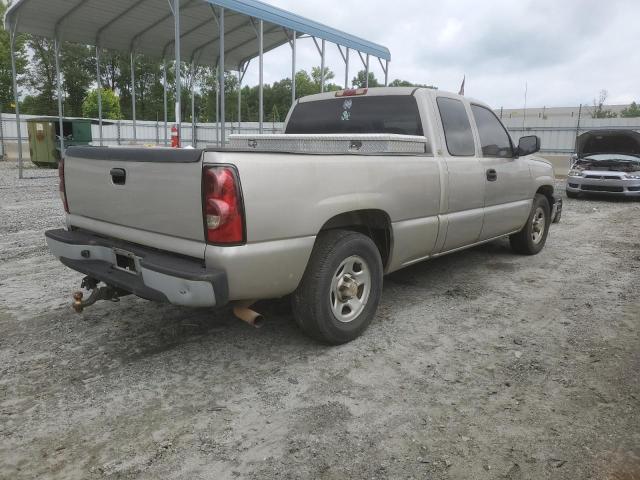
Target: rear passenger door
{"points": [[464, 210], [507, 180]]}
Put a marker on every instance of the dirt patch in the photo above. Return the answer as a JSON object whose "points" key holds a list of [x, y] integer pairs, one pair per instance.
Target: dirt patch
{"points": [[482, 364]]}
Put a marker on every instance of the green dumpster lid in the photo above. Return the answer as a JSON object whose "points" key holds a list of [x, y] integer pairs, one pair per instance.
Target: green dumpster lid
{"points": [[69, 119]]}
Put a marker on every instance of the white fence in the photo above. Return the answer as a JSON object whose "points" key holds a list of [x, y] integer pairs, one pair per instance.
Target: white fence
{"points": [[557, 134], [122, 133]]}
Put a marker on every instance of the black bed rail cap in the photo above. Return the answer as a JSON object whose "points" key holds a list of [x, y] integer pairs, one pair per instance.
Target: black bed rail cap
{"points": [[136, 154]]}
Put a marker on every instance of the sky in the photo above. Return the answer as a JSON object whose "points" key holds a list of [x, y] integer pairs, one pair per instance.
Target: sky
{"points": [[564, 51]]}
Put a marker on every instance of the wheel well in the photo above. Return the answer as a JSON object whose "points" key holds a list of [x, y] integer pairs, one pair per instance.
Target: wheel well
{"points": [[547, 191], [375, 224]]}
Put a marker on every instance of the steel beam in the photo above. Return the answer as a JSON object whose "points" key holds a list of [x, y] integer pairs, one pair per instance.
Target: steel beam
{"points": [[99, 83], [133, 95], [16, 93], [261, 69], [367, 73], [176, 24], [56, 48], [164, 100], [293, 67], [221, 71], [193, 105], [322, 66]]}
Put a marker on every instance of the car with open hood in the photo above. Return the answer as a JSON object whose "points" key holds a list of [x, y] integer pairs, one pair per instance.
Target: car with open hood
{"points": [[606, 162]]}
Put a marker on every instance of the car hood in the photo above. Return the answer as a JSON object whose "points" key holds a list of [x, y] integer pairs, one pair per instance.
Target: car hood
{"points": [[608, 141]]}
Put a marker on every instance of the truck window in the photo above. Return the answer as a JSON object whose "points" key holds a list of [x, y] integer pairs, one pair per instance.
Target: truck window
{"points": [[494, 138], [384, 114], [457, 128]]}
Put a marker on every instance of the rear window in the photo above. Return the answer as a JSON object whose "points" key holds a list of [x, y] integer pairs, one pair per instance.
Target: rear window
{"points": [[386, 114]]}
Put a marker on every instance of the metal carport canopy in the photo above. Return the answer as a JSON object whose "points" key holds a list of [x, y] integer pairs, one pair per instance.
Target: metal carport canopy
{"points": [[147, 26], [222, 33]]}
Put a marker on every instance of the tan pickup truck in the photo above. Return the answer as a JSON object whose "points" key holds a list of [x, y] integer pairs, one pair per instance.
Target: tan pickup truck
{"points": [[361, 183]]}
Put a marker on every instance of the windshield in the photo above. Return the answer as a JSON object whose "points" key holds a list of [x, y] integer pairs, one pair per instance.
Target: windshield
{"points": [[395, 114]]}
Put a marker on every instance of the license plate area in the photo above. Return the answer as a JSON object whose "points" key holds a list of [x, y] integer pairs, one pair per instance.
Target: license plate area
{"points": [[125, 261]]}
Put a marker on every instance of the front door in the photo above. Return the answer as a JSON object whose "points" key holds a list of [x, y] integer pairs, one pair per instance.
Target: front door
{"points": [[507, 179]]}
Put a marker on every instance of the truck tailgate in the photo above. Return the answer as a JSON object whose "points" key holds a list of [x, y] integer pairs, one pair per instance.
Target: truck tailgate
{"points": [[158, 190]]}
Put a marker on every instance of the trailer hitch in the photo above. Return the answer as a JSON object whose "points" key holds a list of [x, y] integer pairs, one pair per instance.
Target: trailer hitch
{"points": [[97, 293]]}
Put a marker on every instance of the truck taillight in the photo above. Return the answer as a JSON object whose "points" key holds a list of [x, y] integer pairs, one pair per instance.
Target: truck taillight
{"points": [[222, 206], [63, 190]]}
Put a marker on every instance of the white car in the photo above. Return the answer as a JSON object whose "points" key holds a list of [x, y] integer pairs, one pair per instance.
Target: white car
{"points": [[606, 162]]}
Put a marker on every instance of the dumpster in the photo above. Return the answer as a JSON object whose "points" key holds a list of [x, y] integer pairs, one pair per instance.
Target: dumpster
{"points": [[44, 138]]}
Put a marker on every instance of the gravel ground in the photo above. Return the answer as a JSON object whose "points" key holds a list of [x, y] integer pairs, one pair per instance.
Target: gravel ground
{"points": [[481, 365]]}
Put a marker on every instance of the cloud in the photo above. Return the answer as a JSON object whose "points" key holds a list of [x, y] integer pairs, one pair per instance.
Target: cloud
{"points": [[566, 51]]}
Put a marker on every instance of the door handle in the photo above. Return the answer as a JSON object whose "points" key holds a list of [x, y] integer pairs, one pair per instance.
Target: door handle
{"points": [[118, 176], [492, 175]]}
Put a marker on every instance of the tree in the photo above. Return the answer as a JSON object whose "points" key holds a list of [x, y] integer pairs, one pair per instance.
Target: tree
{"points": [[360, 81], [6, 78], [78, 65], [632, 110], [41, 78], [406, 83], [598, 107], [110, 105]]}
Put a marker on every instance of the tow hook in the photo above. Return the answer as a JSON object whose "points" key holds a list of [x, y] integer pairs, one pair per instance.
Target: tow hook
{"points": [[97, 293]]}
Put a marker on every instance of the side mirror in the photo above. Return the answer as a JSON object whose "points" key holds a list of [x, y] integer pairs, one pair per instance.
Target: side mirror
{"points": [[528, 145]]}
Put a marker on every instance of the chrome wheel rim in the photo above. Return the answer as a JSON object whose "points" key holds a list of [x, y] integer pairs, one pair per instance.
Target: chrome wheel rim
{"points": [[538, 225], [350, 288]]}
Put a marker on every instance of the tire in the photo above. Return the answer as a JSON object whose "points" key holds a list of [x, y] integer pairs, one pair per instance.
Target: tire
{"points": [[341, 287], [572, 194], [532, 238]]}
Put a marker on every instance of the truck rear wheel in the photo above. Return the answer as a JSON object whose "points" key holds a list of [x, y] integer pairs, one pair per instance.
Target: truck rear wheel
{"points": [[532, 238], [341, 287]]}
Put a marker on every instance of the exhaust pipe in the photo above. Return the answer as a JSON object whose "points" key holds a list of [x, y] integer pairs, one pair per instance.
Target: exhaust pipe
{"points": [[242, 311]]}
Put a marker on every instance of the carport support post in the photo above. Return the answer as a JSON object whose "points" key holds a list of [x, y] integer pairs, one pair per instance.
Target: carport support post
{"points": [[193, 105], [239, 96], [293, 67], [176, 22], [261, 68], [386, 73], [346, 68], [366, 73], [99, 83], [164, 98], [221, 71], [16, 95], [322, 66], [56, 48], [133, 96]]}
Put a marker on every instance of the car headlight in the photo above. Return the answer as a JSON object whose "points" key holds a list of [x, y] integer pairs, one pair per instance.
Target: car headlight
{"points": [[632, 176], [575, 173]]}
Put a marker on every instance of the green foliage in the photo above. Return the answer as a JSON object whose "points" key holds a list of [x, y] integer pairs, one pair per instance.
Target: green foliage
{"points": [[110, 105], [598, 107], [405, 83], [6, 82], [360, 80], [631, 111]]}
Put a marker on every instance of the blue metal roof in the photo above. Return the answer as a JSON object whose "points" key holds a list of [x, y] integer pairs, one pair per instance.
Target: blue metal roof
{"points": [[289, 20], [146, 26]]}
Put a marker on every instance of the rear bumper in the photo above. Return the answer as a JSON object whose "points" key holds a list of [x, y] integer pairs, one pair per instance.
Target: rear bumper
{"points": [[159, 276]]}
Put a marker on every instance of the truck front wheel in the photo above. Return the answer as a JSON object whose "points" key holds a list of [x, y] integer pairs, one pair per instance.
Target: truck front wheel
{"points": [[341, 287], [532, 238]]}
